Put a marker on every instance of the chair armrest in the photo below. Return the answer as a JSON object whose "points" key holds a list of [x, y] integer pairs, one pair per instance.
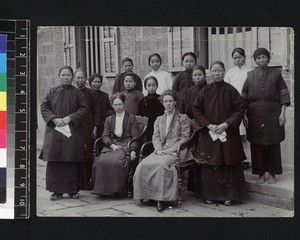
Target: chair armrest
{"points": [[144, 147], [185, 144], [96, 147], [137, 138]]}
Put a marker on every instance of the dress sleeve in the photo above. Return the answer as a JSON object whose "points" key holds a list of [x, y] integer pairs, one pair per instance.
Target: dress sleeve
{"points": [[175, 85], [156, 136], [78, 117], [106, 136], [185, 130], [96, 109], [169, 80], [198, 110], [46, 110], [238, 109], [284, 95], [116, 87], [135, 131]]}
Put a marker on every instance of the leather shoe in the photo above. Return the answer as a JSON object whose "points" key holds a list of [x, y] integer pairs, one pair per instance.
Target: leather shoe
{"points": [[159, 206], [56, 196]]}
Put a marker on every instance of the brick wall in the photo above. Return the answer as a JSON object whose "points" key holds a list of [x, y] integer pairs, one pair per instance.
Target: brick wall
{"points": [[150, 40], [50, 51]]}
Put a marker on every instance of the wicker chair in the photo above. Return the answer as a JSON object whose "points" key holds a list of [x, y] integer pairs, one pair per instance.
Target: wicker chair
{"points": [[98, 146]]}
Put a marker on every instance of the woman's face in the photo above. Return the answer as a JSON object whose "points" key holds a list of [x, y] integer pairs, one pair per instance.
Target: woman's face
{"points": [[80, 79], [96, 84], [66, 77], [118, 105], [169, 103], [217, 72], [238, 59], [127, 66], [155, 63], [129, 83], [151, 86], [262, 61], [198, 76], [188, 62]]}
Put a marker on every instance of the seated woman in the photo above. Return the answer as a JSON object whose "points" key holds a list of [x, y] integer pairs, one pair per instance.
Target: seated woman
{"points": [[110, 169], [156, 177]]}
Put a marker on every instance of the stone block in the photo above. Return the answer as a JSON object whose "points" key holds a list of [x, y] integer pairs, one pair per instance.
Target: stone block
{"points": [[49, 71], [151, 45], [162, 43]]}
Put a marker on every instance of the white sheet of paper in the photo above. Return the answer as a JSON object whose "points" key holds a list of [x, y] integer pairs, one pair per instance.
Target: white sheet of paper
{"points": [[65, 130]]}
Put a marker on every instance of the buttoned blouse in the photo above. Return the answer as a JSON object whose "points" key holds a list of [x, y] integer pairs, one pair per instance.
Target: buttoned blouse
{"points": [[119, 124]]}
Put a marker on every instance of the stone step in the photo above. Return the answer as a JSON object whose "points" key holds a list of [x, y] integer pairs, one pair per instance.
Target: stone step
{"points": [[280, 195]]}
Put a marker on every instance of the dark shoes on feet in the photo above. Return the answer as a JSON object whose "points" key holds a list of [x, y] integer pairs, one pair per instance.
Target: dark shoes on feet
{"points": [[74, 195], [56, 196], [160, 207]]}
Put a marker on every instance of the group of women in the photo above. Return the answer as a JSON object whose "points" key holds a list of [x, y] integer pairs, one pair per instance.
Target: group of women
{"points": [[216, 109]]}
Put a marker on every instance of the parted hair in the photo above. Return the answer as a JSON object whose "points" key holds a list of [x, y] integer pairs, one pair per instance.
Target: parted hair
{"points": [[169, 92]]}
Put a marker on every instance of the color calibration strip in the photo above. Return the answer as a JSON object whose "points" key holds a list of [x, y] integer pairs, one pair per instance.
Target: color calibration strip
{"points": [[3, 126]]}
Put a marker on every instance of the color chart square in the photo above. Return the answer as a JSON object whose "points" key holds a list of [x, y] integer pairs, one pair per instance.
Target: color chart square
{"points": [[3, 101], [3, 158], [2, 62], [3, 84], [3, 141], [3, 120], [3, 43]]}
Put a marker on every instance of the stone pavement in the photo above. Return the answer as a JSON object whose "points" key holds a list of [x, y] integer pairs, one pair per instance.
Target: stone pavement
{"points": [[89, 205]]}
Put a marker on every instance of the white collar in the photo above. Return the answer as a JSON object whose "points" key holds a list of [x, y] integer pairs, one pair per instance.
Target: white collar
{"points": [[120, 114]]}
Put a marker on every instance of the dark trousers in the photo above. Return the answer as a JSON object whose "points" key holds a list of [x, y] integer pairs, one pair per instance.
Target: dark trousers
{"points": [[266, 158]]}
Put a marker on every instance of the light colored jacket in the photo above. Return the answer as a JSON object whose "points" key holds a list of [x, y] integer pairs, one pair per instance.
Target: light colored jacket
{"points": [[178, 133]]}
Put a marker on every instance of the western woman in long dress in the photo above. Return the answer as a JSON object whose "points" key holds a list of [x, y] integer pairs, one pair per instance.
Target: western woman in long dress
{"points": [[110, 169], [266, 97], [218, 110], [64, 107], [156, 177]]}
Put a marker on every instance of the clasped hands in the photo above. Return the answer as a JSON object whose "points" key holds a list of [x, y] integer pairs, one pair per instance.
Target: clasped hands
{"points": [[61, 122], [165, 151], [218, 128], [116, 147]]}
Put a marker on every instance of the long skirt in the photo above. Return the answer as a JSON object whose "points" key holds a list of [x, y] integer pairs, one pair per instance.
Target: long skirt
{"points": [[65, 177], [156, 178], [110, 172], [266, 158], [222, 183]]}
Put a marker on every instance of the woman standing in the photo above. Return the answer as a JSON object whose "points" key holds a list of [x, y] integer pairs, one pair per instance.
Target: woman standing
{"points": [[164, 78], [266, 96], [183, 80], [156, 177], [91, 122], [237, 76], [150, 106], [110, 168], [64, 109], [218, 110]]}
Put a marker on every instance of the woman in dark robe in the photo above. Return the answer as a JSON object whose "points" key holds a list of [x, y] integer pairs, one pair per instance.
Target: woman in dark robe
{"points": [[150, 106], [64, 109], [266, 96], [91, 122], [127, 65], [183, 80], [199, 79], [186, 106], [104, 107], [218, 110], [110, 170]]}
